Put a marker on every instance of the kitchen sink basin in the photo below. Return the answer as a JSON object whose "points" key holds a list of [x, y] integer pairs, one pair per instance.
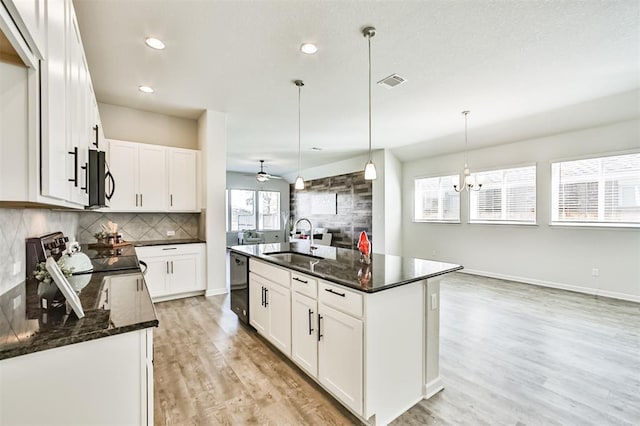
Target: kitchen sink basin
{"points": [[292, 256]]}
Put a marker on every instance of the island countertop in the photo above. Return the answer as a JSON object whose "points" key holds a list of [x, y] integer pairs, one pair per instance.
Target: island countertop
{"points": [[344, 266], [114, 302]]}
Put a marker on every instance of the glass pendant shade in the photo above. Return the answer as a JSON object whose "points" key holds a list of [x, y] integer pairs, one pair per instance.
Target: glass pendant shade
{"points": [[370, 171], [299, 183]]}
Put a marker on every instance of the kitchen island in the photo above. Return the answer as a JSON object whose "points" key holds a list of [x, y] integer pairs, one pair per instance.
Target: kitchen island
{"points": [[58, 369], [367, 332]]}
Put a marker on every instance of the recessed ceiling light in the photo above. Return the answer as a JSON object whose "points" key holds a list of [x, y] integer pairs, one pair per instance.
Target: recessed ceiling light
{"points": [[308, 48], [146, 89], [154, 43]]}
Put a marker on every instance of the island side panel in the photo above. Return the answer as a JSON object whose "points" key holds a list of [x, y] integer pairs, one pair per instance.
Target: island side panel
{"points": [[432, 381], [394, 328]]}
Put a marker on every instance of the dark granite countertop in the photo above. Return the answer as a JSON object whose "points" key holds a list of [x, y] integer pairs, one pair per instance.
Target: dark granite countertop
{"points": [[343, 266], [166, 242], [114, 302]]}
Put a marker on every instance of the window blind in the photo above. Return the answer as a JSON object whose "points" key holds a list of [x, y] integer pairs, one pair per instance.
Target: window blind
{"points": [[597, 190], [436, 200], [507, 195]]}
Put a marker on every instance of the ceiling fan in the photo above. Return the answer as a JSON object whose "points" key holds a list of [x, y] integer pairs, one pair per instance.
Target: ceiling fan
{"points": [[263, 176]]}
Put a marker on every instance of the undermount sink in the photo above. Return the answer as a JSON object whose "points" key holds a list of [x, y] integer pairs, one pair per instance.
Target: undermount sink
{"points": [[292, 256]]}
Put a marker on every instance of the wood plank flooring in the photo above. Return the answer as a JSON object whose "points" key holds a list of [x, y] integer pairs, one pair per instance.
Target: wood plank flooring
{"points": [[511, 354]]}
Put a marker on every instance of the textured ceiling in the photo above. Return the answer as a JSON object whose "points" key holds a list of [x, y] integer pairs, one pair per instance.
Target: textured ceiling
{"points": [[505, 61]]}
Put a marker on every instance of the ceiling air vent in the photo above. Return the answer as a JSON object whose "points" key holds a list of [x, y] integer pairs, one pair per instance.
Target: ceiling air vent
{"points": [[392, 81]]}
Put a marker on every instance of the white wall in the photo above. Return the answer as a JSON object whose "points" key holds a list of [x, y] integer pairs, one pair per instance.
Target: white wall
{"points": [[554, 256], [248, 181], [134, 125], [336, 168], [393, 204], [212, 141]]}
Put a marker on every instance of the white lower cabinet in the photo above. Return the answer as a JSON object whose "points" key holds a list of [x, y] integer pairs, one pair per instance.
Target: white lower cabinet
{"points": [[340, 356], [376, 353], [272, 317], [304, 332], [173, 271], [107, 381], [328, 343]]}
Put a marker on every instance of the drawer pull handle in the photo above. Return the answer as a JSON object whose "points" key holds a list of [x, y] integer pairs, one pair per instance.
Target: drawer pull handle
{"points": [[266, 297], [262, 301], [319, 327], [299, 280], [170, 248], [335, 292]]}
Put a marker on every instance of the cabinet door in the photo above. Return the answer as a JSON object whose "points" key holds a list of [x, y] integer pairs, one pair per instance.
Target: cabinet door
{"points": [[156, 275], [123, 163], [258, 313], [304, 336], [152, 177], [77, 123], [184, 274], [340, 356], [32, 14], [279, 306], [55, 146], [183, 195]]}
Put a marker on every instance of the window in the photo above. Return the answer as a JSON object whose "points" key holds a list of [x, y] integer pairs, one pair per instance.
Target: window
{"points": [[436, 200], [242, 213], [269, 217], [604, 190], [507, 196]]}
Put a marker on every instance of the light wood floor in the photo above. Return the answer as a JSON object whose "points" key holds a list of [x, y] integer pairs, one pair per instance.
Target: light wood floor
{"points": [[511, 354]]}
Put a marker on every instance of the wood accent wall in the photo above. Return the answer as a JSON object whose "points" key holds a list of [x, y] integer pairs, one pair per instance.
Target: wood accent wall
{"points": [[354, 207]]}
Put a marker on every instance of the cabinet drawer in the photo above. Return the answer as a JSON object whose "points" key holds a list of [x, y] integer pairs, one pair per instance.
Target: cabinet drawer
{"points": [[272, 273], [169, 250], [304, 284], [347, 301]]}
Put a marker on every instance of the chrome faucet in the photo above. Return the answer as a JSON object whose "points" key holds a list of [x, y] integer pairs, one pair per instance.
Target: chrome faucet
{"points": [[310, 230]]}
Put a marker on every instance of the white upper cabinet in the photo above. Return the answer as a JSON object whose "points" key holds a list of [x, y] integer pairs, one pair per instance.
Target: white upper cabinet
{"points": [[68, 108], [123, 163], [79, 121], [30, 15], [55, 146], [153, 177], [183, 172]]}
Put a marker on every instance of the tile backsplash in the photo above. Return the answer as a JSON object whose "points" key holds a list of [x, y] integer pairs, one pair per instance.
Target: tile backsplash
{"points": [[18, 224], [140, 226]]}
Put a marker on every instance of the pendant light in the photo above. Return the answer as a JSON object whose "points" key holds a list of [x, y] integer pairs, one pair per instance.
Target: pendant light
{"points": [[299, 181], [369, 168], [469, 183]]}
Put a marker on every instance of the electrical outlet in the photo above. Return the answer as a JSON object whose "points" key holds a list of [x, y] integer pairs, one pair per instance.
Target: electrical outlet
{"points": [[171, 233], [595, 272], [17, 267]]}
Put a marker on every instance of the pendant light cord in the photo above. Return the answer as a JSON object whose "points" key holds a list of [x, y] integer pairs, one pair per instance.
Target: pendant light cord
{"points": [[466, 143], [369, 40], [299, 143]]}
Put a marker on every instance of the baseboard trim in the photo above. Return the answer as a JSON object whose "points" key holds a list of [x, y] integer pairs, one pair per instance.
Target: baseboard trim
{"points": [[559, 286], [215, 292], [433, 387]]}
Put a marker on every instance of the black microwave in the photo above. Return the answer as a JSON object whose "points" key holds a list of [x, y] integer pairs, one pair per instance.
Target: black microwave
{"points": [[101, 184]]}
